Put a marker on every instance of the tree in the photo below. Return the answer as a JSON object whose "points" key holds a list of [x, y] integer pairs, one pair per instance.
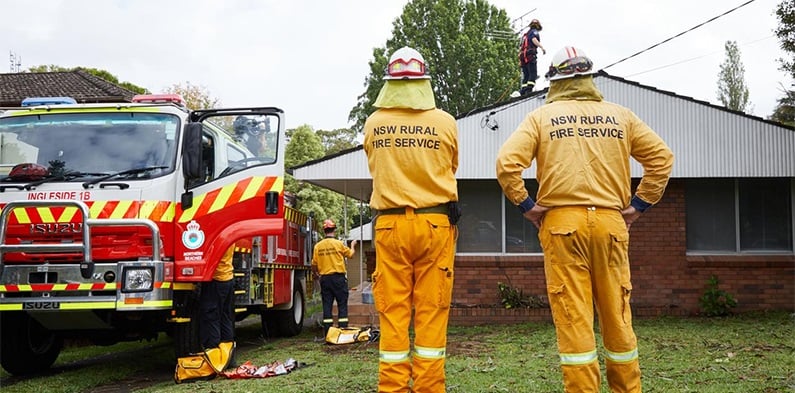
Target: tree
{"points": [[469, 67], [732, 90], [786, 34], [305, 145], [196, 97], [337, 140], [93, 71], [785, 110], [49, 68]]}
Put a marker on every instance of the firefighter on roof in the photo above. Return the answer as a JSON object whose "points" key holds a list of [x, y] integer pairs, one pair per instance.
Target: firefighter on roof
{"points": [[528, 56], [583, 212], [328, 263], [412, 152]]}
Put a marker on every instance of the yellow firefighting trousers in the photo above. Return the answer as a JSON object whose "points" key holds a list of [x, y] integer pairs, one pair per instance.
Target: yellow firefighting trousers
{"points": [[414, 270], [586, 263]]}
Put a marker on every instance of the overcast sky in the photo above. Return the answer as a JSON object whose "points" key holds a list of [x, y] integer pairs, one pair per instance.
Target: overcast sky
{"points": [[310, 58]]}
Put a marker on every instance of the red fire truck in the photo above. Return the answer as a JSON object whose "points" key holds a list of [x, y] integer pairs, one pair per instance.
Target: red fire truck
{"points": [[113, 215]]}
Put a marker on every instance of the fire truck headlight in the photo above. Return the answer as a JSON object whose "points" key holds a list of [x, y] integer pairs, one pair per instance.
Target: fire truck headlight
{"points": [[138, 279]]}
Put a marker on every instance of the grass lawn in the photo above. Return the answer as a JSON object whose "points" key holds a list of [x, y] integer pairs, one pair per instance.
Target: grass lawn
{"points": [[746, 353]]}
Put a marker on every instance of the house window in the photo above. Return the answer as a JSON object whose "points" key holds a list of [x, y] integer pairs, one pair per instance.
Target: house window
{"points": [[521, 236], [739, 215], [491, 224], [480, 228]]}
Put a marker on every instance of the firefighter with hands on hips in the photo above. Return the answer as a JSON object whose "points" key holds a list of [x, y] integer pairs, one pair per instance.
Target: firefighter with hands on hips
{"points": [[583, 211], [412, 153], [528, 56], [328, 263], [217, 320]]}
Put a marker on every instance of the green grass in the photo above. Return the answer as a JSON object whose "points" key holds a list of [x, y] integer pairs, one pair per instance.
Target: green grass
{"points": [[746, 353]]}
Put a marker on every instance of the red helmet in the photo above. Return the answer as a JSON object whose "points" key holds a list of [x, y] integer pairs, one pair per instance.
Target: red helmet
{"points": [[328, 224], [28, 172], [406, 63]]}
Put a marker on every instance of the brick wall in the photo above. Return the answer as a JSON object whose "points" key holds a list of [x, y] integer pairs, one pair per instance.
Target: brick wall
{"points": [[665, 280]]}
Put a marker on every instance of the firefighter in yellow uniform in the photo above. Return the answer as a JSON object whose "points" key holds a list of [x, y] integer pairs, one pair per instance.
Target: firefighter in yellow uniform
{"points": [[328, 263], [217, 306], [412, 152], [584, 209]]}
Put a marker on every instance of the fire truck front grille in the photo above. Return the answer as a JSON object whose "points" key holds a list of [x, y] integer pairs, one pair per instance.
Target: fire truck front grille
{"points": [[42, 277]]}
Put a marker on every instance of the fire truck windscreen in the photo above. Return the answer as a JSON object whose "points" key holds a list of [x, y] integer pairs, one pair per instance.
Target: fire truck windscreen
{"points": [[89, 142]]}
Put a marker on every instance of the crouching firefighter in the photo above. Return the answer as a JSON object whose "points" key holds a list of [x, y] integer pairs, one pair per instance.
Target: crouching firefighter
{"points": [[415, 195]]}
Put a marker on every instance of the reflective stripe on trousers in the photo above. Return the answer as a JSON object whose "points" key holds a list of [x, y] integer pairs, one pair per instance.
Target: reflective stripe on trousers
{"points": [[586, 263], [414, 270]]}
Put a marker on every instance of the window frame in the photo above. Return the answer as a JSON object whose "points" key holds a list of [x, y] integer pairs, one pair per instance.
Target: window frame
{"points": [[505, 208], [736, 184]]}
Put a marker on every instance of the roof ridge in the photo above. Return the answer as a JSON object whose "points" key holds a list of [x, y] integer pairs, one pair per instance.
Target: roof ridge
{"points": [[102, 84]]}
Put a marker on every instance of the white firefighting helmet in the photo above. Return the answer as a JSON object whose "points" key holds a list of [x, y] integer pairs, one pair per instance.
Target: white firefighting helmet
{"points": [[569, 62], [406, 63]]}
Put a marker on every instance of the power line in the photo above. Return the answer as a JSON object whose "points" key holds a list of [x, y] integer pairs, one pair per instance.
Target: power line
{"points": [[692, 58], [682, 33]]}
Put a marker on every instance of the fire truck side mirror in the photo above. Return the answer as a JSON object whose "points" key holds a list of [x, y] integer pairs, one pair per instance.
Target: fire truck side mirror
{"points": [[187, 200], [192, 152]]}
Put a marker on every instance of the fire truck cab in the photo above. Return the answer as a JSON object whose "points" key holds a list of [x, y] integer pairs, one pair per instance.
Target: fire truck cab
{"points": [[113, 215]]}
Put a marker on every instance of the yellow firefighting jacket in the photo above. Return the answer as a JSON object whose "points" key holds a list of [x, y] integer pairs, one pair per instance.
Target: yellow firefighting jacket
{"points": [[329, 256], [410, 154], [225, 270], [582, 146]]}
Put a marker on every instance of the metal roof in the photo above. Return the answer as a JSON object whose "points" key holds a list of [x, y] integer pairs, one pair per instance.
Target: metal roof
{"points": [[707, 140]]}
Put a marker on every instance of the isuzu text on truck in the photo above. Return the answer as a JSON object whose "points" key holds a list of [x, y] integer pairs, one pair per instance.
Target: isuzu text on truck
{"points": [[114, 214]]}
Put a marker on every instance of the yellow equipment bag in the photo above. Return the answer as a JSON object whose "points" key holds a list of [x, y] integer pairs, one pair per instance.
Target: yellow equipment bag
{"points": [[192, 368], [219, 357], [347, 335], [205, 365]]}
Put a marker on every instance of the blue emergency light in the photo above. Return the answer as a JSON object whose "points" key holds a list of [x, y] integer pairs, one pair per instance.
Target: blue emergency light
{"points": [[35, 101]]}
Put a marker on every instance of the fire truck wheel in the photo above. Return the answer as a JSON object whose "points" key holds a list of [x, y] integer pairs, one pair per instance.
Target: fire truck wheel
{"points": [[26, 347], [285, 323], [292, 321]]}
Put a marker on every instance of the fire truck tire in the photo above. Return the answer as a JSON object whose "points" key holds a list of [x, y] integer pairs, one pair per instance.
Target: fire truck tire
{"points": [[26, 347], [291, 321], [286, 323]]}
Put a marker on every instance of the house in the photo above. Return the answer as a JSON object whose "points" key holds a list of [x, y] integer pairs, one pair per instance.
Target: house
{"points": [[728, 211], [359, 270], [78, 84]]}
